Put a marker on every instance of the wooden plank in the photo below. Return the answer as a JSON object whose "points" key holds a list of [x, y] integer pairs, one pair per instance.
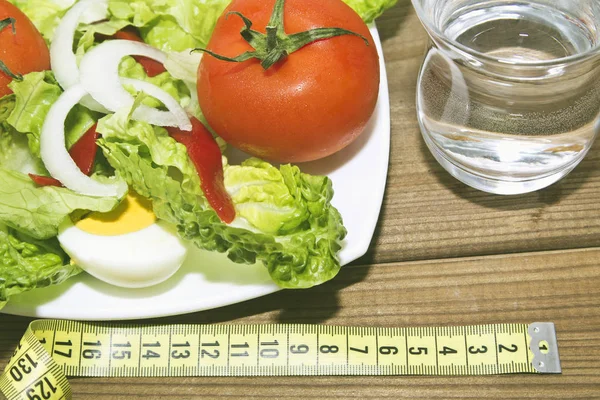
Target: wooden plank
{"points": [[427, 214], [562, 287]]}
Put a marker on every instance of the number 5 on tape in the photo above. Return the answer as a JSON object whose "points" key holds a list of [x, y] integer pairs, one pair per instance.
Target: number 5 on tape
{"points": [[51, 350]]}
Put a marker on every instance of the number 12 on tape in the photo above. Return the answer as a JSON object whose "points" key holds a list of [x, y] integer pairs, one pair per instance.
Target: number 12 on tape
{"points": [[52, 350]]}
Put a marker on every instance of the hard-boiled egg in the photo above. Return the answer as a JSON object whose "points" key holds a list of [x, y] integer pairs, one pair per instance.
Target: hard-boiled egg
{"points": [[126, 247]]}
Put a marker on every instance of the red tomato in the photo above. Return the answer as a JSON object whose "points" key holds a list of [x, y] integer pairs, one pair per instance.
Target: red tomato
{"points": [[152, 67], [307, 106], [22, 52]]}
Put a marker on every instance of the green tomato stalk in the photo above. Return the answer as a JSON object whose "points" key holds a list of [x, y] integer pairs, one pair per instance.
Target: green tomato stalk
{"points": [[276, 45]]}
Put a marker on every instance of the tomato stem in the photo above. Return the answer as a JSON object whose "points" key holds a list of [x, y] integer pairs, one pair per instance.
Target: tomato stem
{"points": [[276, 45], [3, 24]]}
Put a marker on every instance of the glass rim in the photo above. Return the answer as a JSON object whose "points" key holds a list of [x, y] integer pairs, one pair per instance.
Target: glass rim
{"points": [[588, 54]]}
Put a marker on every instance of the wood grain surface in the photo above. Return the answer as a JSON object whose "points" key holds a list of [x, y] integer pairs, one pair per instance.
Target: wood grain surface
{"points": [[443, 254]]}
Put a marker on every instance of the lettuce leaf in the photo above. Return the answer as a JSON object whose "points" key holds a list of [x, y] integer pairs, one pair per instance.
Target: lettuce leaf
{"points": [[263, 198], [26, 263], [286, 220], [14, 147], [15, 155], [38, 211], [45, 14], [34, 96], [369, 10], [171, 25]]}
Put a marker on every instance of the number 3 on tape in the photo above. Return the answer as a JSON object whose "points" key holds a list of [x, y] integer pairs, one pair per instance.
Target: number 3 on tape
{"points": [[51, 350]]}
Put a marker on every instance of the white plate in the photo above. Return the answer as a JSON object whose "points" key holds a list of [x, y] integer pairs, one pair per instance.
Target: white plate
{"points": [[210, 280]]}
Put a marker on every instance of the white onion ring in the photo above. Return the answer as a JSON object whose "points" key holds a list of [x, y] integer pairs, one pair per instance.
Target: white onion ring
{"points": [[176, 114], [62, 58], [99, 76], [56, 158]]}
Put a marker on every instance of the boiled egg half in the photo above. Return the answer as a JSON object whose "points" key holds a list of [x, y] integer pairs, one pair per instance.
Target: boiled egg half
{"points": [[126, 247]]}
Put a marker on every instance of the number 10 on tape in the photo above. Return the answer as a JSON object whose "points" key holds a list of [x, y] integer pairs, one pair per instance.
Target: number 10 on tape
{"points": [[52, 350]]}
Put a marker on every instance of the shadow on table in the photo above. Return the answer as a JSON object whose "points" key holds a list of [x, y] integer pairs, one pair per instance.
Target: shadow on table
{"points": [[551, 195], [309, 306], [390, 22]]}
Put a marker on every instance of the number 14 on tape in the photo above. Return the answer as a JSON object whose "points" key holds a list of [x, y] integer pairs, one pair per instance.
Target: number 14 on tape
{"points": [[52, 350]]}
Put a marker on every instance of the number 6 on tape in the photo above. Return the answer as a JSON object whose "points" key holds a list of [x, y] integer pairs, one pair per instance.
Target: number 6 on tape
{"points": [[51, 350]]}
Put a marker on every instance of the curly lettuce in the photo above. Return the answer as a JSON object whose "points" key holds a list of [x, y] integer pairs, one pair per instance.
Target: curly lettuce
{"points": [[38, 211], [285, 218], [27, 263], [369, 10], [15, 155]]}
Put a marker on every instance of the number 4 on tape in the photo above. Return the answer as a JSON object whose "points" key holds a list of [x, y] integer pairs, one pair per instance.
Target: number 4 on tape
{"points": [[51, 350]]}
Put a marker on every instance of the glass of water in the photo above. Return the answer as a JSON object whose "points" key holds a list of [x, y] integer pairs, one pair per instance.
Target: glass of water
{"points": [[508, 96]]}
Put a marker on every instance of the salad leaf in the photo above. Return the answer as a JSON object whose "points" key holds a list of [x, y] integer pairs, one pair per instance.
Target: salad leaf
{"points": [[26, 263], [286, 218], [184, 65], [15, 155], [45, 14], [369, 10], [261, 196], [38, 211], [171, 25], [34, 96]]}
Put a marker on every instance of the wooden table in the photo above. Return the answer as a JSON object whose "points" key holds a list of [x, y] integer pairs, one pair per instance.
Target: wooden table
{"points": [[443, 254]]}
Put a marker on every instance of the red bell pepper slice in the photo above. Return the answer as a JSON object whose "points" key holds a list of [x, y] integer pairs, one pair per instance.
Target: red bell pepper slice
{"points": [[152, 67], [83, 152], [205, 154], [45, 180]]}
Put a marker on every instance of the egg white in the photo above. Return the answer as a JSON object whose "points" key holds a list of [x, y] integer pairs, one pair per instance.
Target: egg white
{"points": [[134, 260]]}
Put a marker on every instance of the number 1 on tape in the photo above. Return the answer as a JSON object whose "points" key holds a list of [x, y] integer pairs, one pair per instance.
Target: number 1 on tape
{"points": [[51, 350]]}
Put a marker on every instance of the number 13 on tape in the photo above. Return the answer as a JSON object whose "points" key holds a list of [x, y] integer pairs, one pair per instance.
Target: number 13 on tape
{"points": [[51, 350]]}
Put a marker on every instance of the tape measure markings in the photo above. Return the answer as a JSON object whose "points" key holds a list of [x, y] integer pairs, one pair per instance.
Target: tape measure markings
{"points": [[84, 349]]}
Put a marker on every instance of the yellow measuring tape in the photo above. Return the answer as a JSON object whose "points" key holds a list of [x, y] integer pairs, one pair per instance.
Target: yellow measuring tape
{"points": [[52, 350]]}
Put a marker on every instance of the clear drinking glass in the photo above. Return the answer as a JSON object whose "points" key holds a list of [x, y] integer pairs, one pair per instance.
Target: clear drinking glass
{"points": [[508, 96]]}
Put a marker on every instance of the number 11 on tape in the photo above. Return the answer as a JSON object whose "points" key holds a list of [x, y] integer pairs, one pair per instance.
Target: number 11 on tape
{"points": [[51, 350]]}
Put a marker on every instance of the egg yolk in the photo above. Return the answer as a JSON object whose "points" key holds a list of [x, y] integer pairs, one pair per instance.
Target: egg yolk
{"points": [[132, 215]]}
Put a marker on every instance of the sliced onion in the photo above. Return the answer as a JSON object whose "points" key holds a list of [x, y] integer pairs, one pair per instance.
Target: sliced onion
{"points": [[56, 158], [176, 114], [62, 58], [99, 75]]}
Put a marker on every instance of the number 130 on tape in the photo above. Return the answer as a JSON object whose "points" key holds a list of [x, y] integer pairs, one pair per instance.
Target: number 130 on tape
{"points": [[51, 350]]}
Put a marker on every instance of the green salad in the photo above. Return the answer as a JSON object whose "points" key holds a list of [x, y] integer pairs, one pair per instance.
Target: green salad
{"points": [[283, 217]]}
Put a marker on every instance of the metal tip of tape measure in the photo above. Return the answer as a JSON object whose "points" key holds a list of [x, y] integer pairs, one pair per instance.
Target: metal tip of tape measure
{"points": [[544, 347]]}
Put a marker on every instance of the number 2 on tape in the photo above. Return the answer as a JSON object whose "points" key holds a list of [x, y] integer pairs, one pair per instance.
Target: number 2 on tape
{"points": [[51, 350]]}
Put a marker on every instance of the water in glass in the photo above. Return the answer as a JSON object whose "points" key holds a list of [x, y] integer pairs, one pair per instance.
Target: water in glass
{"points": [[509, 93]]}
